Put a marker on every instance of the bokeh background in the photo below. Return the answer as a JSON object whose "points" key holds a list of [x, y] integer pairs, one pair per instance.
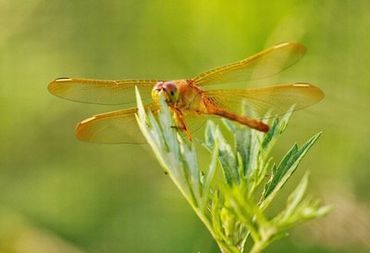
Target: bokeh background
{"points": [[60, 195]]}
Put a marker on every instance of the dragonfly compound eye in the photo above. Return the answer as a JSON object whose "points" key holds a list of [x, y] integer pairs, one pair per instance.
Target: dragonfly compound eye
{"points": [[171, 90]]}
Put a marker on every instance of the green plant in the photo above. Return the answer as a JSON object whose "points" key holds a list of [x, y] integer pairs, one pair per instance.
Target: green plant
{"points": [[232, 206]]}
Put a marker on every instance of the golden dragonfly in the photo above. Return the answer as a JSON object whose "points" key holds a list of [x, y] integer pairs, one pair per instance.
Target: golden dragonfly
{"points": [[189, 98]]}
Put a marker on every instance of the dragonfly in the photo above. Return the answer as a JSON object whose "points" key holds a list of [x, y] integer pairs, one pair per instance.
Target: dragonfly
{"points": [[193, 98]]}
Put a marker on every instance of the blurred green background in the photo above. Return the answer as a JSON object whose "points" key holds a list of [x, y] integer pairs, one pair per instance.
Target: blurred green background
{"points": [[60, 195]]}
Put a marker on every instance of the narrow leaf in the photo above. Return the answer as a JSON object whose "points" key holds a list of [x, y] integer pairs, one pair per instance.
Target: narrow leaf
{"points": [[285, 169], [210, 173]]}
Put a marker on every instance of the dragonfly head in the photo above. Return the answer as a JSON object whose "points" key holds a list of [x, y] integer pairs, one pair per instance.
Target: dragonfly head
{"points": [[169, 90]]}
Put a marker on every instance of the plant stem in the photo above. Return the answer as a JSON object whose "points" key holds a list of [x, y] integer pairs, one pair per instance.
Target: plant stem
{"points": [[265, 240], [258, 247]]}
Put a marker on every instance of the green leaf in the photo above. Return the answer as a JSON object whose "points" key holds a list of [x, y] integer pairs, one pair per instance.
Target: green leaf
{"points": [[228, 162], [210, 173], [244, 147], [270, 134], [225, 153], [210, 135], [215, 211], [296, 197], [277, 128], [285, 169], [192, 171]]}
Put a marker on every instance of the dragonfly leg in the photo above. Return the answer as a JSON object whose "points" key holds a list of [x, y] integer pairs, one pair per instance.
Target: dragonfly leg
{"points": [[244, 120], [180, 123]]}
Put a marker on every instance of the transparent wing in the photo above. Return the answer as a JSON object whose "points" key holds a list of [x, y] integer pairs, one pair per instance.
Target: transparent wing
{"points": [[264, 64], [275, 100], [112, 127], [112, 92], [194, 121]]}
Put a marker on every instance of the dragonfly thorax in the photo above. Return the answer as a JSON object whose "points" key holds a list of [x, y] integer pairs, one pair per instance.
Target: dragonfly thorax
{"points": [[168, 89]]}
